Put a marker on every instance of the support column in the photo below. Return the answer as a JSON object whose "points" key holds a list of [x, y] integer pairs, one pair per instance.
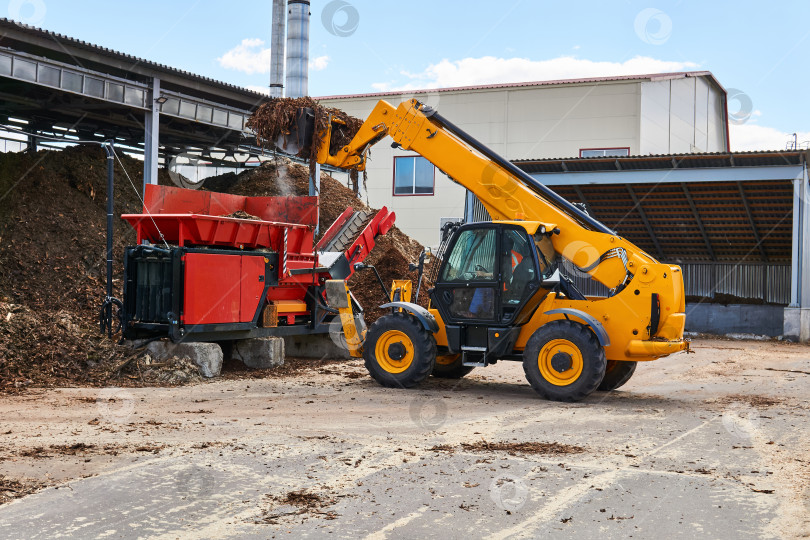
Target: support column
{"points": [[797, 314], [151, 138]]}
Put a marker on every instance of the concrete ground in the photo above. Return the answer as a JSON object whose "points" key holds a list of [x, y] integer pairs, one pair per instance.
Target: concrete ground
{"points": [[713, 444]]}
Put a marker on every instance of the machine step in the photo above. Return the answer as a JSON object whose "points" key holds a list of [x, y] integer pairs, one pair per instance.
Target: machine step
{"points": [[473, 356]]}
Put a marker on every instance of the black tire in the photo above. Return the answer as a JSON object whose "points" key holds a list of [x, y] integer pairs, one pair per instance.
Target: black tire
{"points": [[390, 333], [580, 350], [617, 373], [453, 370]]}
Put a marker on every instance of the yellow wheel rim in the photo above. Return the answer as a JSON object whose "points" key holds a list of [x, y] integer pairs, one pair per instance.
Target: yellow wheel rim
{"points": [[394, 351], [560, 362], [447, 360]]}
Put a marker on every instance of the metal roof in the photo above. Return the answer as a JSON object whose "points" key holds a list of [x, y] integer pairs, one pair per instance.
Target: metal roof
{"points": [[61, 42], [585, 80], [665, 161]]}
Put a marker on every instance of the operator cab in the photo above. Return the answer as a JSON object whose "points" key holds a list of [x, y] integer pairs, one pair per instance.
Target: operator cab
{"points": [[492, 280]]}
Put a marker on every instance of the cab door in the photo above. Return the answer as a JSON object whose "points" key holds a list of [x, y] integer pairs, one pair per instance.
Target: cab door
{"points": [[466, 290], [488, 275]]}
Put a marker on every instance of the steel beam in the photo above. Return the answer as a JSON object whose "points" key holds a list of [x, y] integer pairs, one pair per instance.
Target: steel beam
{"points": [[663, 176], [751, 222], [584, 200], [151, 137], [801, 205], [42, 71], [804, 237], [699, 221], [650, 231]]}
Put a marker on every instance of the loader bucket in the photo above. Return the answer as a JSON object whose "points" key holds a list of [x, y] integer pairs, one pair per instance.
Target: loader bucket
{"points": [[299, 137]]}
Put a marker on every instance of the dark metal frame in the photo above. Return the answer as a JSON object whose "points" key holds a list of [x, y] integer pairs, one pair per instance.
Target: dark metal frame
{"points": [[178, 332], [643, 214]]}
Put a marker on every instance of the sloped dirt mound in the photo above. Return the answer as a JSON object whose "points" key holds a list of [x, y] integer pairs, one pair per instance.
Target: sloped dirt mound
{"points": [[52, 264]]}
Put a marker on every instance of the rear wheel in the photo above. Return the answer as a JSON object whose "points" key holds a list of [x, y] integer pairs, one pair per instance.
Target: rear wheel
{"points": [[398, 351], [449, 367], [564, 361], [617, 373]]}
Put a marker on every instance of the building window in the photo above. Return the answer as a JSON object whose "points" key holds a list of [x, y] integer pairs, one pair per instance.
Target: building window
{"points": [[413, 176], [604, 152]]}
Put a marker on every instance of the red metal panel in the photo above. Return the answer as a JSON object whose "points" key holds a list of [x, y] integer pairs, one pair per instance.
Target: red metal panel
{"points": [[252, 270], [212, 292], [221, 231]]}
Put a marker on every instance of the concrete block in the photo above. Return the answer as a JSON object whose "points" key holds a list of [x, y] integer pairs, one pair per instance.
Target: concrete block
{"points": [[259, 353], [314, 346], [206, 356], [735, 319], [797, 324]]}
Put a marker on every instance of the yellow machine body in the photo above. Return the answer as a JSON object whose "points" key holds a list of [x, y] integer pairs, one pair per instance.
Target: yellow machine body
{"points": [[625, 315]]}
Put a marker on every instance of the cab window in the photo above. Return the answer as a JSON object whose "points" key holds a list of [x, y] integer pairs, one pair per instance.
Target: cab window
{"points": [[545, 255], [472, 258]]}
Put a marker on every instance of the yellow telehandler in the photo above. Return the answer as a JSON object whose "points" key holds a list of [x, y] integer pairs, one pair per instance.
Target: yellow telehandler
{"points": [[499, 293]]}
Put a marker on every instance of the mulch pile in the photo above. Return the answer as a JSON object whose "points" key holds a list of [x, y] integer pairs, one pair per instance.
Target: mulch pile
{"points": [[52, 262]]}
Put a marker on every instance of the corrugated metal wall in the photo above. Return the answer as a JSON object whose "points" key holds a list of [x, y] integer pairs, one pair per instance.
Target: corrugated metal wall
{"points": [[767, 282], [477, 212]]}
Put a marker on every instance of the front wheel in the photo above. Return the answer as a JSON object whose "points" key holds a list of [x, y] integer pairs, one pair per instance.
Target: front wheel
{"points": [[398, 351], [564, 361]]}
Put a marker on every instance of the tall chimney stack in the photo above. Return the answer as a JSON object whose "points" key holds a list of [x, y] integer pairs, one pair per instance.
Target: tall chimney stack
{"points": [[297, 48], [277, 48]]}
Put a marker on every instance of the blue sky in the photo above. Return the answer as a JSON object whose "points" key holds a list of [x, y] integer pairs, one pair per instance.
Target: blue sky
{"points": [[759, 49]]}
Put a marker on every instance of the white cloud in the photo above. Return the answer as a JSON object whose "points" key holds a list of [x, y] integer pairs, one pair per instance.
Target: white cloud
{"points": [[319, 63], [754, 137], [492, 70], [381, 86], [249, 56]]}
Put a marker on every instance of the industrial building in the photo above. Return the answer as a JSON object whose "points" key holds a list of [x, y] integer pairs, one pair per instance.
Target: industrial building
{"points": [[597, 117]]}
